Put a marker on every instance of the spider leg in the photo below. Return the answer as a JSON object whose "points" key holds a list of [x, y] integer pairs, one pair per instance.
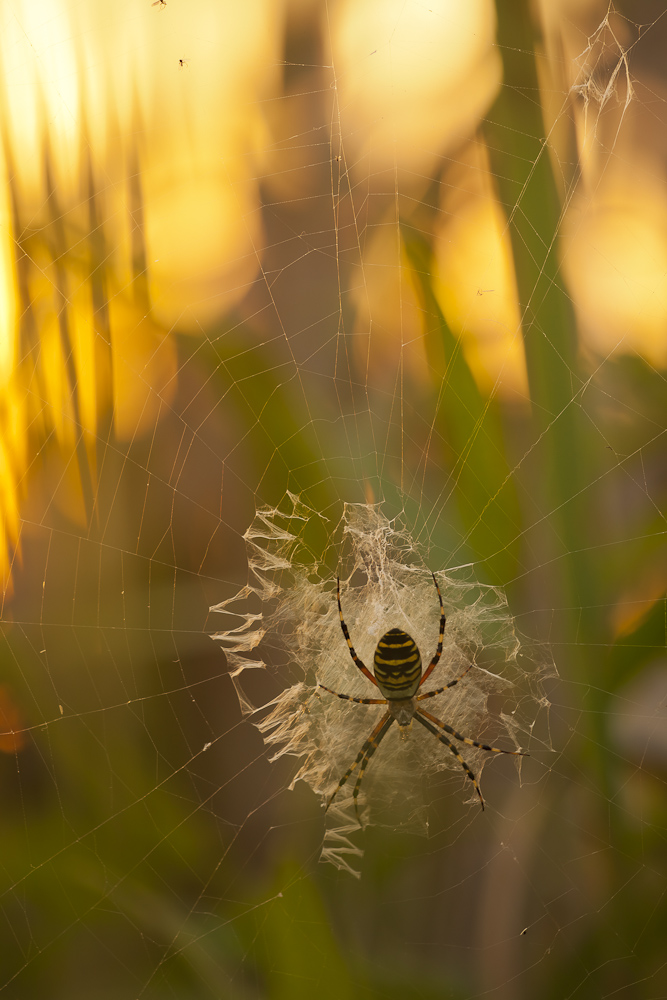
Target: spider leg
{"points": [[364, 755], [438, 653], [364, 764], [431, 694], [443, 739], [360, 663], [464, 739], [359, 701]]}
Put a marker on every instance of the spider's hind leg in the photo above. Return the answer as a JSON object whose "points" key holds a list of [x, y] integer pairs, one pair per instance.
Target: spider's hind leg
{"points": [[363, 757], [443, 739], [465, 739]]}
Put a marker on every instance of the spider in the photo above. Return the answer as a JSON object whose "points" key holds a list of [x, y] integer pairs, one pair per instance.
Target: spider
{"points": [[397, 665]]}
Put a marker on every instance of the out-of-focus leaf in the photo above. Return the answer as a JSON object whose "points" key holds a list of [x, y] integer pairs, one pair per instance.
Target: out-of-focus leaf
{"points": [[471, 425], [519, 156]]}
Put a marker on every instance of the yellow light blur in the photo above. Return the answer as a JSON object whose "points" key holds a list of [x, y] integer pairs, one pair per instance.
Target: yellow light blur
{"points": [[126, 126], [203, 130], [88, 364], [475, 286], [110, 75], [412, 78], [144, 373], [8, 292], [12, 425], [388, 323], [615, 262], [12, 464]]}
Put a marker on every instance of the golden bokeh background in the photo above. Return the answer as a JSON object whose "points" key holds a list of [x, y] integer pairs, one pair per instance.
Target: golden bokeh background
{"points": [[137, 138]]}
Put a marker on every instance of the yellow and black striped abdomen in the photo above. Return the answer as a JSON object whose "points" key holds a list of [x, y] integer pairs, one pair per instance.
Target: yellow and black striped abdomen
{"points": [[397, 664]]}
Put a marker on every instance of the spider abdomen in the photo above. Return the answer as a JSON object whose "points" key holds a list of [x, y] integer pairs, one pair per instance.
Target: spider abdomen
{"points": [[397, 665]]}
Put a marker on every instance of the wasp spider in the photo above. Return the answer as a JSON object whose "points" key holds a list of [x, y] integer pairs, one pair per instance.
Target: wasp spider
{"points": [[397, 665]]}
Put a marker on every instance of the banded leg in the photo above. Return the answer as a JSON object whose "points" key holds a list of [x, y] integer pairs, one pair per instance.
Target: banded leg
{"points": [[443, 739], [359, 701], [464, 739], [374, 744], [438, 653], [360, 663], [431, 694], [367, 751]]}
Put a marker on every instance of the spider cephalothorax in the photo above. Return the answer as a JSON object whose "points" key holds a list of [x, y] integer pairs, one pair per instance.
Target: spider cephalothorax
{"points": [[397, 665]]}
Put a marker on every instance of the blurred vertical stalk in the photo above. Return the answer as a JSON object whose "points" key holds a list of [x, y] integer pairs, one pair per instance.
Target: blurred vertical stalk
{"points": [[101, 321], [518, 150], [526, 185], [60, 248]]}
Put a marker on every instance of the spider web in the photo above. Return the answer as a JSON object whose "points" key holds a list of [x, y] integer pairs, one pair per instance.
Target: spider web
{"points": [[286, 295], [300, 625]]}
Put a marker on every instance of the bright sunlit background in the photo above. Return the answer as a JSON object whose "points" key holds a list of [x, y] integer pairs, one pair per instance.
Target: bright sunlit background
{"points": [[297, 254]]}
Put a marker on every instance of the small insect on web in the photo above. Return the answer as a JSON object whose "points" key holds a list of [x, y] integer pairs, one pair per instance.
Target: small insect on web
{"points": [[397, 666]]}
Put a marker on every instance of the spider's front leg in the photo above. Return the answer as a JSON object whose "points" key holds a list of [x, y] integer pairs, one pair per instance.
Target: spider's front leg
{"points": [[438, 653], [353, 653]]}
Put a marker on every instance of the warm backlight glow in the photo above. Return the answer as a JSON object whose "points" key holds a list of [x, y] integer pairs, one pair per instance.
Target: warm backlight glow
{"points": [[475, 285], [615, 262], [412, 78], [128, 207], [12, 725]]}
